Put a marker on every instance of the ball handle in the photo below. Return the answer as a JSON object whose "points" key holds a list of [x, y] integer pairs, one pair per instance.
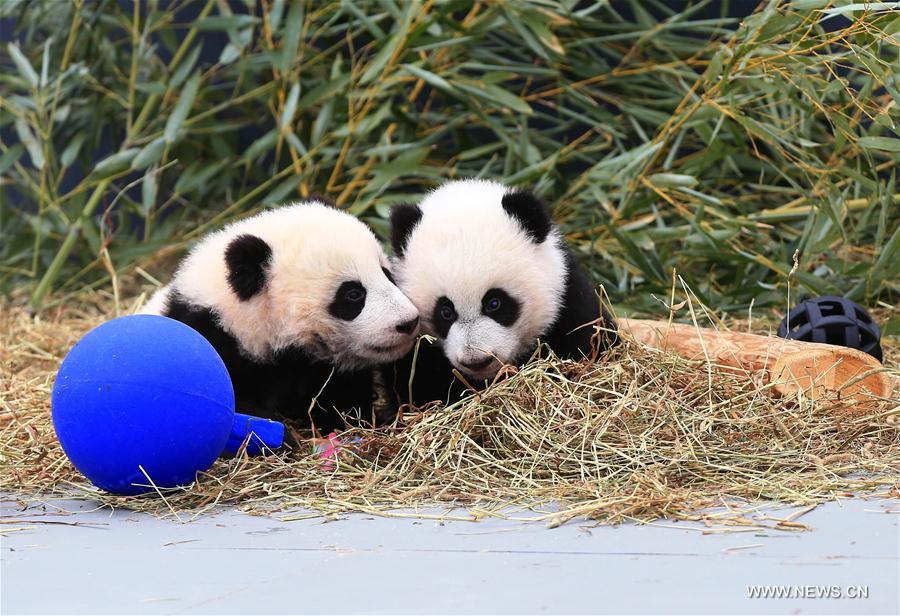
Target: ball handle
{"points": [[263, 434]]}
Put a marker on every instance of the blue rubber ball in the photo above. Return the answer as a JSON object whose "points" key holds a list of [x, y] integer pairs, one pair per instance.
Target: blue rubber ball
{"points": [[142, 391]]}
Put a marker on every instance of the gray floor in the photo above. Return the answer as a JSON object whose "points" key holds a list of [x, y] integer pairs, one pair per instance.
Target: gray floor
{"points": [[235, 563]]}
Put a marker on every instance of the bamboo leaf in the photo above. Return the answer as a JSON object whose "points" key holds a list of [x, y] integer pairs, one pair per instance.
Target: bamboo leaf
{"points": [[671, 180], [322, 122], [182, 109], [276, 11], [9, 157], [645, 261], [22, 63], [45, 63], [184, 69], [495, 96], [72, 149], [290, 107], [291, 38], [149, 154], [195, 177], [149, 190], [115, 163], [873, 7], [260, 146], [888, 144], [323, 91], [31, 144], [886, 267], [295, 142], [281, 191], [430, 78], [226, 22]]}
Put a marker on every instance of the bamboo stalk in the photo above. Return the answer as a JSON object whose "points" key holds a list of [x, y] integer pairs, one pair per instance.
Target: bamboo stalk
{"points": [[66, 248]]}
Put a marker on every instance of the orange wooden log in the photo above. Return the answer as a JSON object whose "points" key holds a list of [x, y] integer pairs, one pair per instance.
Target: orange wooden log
{"points": [[791, 365]]}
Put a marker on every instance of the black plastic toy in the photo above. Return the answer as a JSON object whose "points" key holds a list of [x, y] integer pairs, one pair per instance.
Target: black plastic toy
{"points": [[833, 320]]}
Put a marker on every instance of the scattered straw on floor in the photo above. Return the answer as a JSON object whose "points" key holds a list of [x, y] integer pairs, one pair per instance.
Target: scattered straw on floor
{"points": [[642, 436]]}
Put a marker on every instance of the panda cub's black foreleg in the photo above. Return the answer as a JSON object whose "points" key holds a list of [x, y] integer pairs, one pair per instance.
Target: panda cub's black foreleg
{"points": [[428, 375], [574, 334], [286, 386]]}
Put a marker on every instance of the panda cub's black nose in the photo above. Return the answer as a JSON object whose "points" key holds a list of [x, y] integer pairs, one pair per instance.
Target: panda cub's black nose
{"points": [[407, 327]]}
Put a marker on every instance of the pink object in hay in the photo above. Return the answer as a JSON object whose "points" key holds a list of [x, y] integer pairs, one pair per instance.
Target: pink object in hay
{"points": [[328, 449]]}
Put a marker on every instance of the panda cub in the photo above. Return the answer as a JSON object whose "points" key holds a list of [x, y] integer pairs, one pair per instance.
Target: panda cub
{"points": [[490, 275], [299, 303]]}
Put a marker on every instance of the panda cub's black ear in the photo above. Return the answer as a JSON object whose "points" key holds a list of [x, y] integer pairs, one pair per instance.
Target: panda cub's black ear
{"points": [[530, 213], [247, 258], [404, 218], [322, 199]]}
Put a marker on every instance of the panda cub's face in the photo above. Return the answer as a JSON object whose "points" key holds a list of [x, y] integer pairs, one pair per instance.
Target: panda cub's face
{"points": [[307, 277], [369, 320], [330, 292], [483, 265]]}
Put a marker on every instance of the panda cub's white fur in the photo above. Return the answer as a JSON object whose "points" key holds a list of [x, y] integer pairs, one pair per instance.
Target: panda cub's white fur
{"points": [[292, 292]]}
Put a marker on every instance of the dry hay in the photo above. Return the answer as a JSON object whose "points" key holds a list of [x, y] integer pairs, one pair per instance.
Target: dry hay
{"points": [[641, 436]]}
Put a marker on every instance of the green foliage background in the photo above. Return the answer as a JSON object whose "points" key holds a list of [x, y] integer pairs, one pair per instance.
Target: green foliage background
{"points": [[664, 139]]}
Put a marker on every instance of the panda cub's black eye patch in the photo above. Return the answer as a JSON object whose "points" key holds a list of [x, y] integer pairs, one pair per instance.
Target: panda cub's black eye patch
{"points": [[349, 300], [500, 306], [387, 273], [444, 316]]}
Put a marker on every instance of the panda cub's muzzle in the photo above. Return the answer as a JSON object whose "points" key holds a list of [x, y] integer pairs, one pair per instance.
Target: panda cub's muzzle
{"points": [[478, 365], [373, 322], [396, 325], [408, 330]]}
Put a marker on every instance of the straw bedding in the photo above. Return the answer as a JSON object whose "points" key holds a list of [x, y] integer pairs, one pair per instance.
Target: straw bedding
{"points": [[640, 436]]}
